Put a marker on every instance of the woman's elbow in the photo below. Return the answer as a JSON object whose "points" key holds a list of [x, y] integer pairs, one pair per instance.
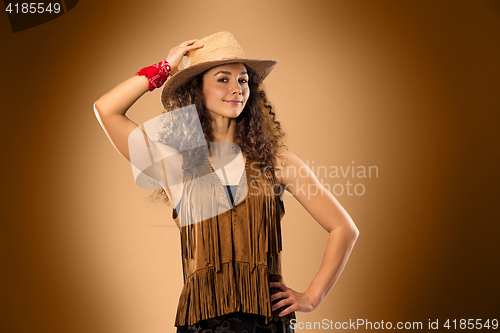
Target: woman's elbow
{"points": [[98, 113], [355, 233], [97, 107], [351, 229], [352, 232]]}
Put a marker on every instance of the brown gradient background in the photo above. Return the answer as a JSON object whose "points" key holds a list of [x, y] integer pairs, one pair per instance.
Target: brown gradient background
{"points": [[411, 87]]}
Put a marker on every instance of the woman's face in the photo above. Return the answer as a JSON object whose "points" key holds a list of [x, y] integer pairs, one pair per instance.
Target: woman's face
{"points": [[226, 89]]}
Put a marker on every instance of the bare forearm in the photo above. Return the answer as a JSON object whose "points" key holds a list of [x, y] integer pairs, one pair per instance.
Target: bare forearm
{"points": [[118, 100], [338, 249]]}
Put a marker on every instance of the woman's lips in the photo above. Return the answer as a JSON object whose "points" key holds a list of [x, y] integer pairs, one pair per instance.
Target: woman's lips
{"points": [[234, 102]]}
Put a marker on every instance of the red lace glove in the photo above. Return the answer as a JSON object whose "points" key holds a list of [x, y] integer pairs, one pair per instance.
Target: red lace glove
{"points": [[157, 74]]}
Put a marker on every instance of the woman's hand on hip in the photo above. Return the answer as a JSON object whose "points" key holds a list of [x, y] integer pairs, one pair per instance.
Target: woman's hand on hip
{"points": [[295, 301], [175, 55]]}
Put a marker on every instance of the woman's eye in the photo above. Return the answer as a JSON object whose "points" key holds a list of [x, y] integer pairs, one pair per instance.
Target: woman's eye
{"points": [[243, 80], [222, 80]]}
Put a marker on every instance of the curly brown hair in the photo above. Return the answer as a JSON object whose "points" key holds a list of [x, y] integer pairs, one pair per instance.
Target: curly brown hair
{"points": [[256, 131]]}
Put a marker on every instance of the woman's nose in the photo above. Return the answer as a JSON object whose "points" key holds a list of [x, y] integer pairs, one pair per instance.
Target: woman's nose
{"points": [[236, 88]]}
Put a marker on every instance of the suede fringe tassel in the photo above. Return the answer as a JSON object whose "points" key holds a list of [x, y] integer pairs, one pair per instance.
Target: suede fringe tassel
{"points": [[193, 222], [263, 212], [207, 294]]}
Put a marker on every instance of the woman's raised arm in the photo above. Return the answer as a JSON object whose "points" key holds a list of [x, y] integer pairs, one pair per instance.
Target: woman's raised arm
{"points": [[111, 108]]}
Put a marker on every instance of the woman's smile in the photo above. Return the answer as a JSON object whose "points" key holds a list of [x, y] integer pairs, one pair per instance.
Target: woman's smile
{"points": [[234, 102]]}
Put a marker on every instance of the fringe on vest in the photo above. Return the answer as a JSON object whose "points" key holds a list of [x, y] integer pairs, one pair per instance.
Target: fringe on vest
{"points": [[250, 293]]}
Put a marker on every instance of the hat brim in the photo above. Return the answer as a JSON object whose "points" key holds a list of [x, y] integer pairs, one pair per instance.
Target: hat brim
{"points": [[262, 68]]}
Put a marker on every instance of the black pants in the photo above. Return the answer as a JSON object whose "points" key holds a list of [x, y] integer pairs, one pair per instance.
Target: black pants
{"points": [[237, 322]]}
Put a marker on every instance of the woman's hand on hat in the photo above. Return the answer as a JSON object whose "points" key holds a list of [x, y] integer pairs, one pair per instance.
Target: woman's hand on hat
{"points": [[294, 300], [175, 55]]}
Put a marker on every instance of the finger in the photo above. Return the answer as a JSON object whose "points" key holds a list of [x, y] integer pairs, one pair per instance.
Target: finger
{"points": [[288, 310], [186, 49], [189, 42], [281, 304], [278, 305], [278, 295], [192, 47], [285, 312]]}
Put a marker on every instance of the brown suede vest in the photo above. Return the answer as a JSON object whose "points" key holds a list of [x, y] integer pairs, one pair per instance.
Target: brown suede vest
{"points": [[229, 259]]}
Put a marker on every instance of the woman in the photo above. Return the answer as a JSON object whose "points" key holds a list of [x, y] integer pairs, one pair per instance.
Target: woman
{"points": [[219, 159]]}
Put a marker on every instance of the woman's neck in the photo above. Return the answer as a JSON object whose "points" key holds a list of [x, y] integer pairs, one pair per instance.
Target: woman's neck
{"points": [[223, 129]]}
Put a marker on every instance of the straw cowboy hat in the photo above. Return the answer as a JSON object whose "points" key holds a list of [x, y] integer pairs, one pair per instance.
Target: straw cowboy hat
{"points": [[218, 49]]}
